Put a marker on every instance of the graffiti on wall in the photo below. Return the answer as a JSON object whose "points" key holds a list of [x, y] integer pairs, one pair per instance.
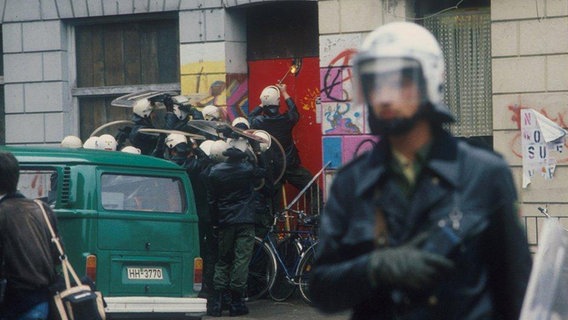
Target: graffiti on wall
{"points": [[237, 95], [341, 119], [308, 101], [516, 142], [205, 84], [339, 115], [336, 78]]}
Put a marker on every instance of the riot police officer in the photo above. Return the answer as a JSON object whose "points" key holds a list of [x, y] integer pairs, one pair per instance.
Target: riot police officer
{"points": [[423, 226], [267, 117], [230, 188]]}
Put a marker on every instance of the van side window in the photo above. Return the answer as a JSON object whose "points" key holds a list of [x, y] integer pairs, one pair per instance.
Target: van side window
{"points": [[39, 184], [142, 193]]}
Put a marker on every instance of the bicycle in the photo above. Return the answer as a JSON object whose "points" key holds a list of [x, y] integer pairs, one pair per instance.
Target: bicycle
{"points": [[280, 264]]}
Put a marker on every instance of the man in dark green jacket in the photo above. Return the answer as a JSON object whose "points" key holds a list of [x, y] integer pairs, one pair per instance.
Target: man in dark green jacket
{"points": [[230, 189]]}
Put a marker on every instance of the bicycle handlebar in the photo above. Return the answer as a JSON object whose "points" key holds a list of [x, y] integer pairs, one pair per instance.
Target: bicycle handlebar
{"points": [[302, 216]]}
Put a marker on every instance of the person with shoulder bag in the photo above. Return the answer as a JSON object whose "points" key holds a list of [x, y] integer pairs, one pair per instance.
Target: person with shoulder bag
{"points": [[29, 257]]}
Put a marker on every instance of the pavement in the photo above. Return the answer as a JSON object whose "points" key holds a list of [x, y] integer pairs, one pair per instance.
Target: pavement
{"points": [[293, 308]]}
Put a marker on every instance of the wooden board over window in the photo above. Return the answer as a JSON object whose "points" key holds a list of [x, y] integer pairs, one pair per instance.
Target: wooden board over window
{"points": [[131, 53], [114, 58]]}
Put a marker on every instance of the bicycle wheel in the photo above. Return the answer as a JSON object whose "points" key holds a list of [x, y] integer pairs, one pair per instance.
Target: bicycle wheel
{"points": [[289, 254], [262, 270], [303, 272]]}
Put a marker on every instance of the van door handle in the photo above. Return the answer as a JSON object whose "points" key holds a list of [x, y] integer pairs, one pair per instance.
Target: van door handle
{"points": [[148, 244]]}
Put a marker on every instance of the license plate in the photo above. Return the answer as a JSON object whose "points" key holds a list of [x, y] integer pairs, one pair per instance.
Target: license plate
{"points": [[145, 273]]}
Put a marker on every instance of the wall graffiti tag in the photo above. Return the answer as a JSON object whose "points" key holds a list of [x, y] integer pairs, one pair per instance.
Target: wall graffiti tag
{"points": [[335, 76]]}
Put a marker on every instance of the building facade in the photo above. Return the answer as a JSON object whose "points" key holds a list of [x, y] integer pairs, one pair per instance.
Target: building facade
{"points": [[65, 60]]}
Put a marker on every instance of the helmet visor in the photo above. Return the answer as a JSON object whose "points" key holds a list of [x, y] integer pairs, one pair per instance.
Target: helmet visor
{"points": [[392, 78]]}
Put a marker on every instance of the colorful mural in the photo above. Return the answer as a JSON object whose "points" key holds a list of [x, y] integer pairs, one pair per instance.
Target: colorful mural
{"points": [[206, 85], [342, 119]]}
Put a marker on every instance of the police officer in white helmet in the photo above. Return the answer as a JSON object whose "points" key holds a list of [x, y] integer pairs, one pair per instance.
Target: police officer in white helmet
{"points": [[197, 161], [267, 117], [230, 188], [148, 144], [424, 226], [181, 113]]}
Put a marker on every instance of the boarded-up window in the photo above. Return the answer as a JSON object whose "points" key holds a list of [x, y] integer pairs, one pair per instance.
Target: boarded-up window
{"points": [[113, 56]]}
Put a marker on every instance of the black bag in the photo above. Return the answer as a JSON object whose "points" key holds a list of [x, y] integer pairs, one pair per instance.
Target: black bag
{"points": [[80, 303]]}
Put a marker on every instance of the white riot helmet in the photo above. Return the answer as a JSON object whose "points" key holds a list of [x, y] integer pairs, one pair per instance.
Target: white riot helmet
{"points": [[177, 149], [266, 136], [270, 96], [241, 123], [173, 139], [239, 143], [106, 142], [91, 143], [181, 107], [403, 45], [205, 146], [211, 113], [180, 99], [217, 149], [142, 108], [180, 113], [131, 149], [73, 142]]}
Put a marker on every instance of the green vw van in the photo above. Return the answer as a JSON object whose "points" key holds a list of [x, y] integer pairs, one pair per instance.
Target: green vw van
{"points": [[128, 221]]}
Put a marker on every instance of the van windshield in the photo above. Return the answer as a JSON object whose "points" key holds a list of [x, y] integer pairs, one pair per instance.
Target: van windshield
{"points": [[142, 193]]}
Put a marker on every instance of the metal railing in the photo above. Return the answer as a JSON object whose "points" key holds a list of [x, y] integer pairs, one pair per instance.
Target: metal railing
{"points": [[309, 199]]}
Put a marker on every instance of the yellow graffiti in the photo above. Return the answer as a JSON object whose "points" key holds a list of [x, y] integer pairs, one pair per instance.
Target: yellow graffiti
{"points": [[205, 82], [203, 67], [308, 102]]}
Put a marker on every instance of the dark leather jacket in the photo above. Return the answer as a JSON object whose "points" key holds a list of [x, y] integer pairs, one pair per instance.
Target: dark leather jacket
{"points": [[230, 189], [25, 243], [197, 167], [280, 127], [147, 143], [491, 255]]}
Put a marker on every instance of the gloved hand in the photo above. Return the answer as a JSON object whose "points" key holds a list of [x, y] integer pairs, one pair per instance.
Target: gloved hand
{"points": [[408, 267]]}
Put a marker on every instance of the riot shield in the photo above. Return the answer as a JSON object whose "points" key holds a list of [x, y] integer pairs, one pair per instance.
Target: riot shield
{"points": [[547, 291]]}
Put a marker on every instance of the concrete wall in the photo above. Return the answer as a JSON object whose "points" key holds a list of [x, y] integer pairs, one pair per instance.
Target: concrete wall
{"points": [[530, 64], [39, 56]]}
